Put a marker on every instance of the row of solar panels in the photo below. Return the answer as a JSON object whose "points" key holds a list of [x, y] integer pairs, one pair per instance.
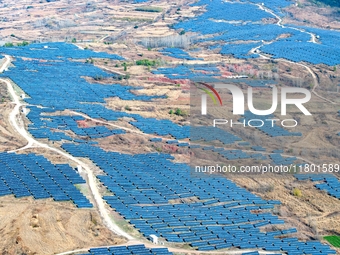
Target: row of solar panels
{"points": [[330, 183], [138, 249], [220, 214], [31, 175], [295, 47]]}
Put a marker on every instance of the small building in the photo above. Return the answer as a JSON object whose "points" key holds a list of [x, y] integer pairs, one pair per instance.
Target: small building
{"points": [[154, 239]]}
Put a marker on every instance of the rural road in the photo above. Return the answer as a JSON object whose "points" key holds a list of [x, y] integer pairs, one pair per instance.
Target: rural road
{"points": [[92, 181], [313, 40]]}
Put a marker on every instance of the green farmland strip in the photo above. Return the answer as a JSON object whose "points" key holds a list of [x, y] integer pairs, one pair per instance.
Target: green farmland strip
{"points": [[333, 240]]}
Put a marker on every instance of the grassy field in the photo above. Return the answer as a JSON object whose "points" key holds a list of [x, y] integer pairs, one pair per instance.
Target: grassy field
{"points": [[333, 240]]}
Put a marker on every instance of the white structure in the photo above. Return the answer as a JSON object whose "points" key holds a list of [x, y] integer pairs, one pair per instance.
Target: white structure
{"points": [[45, 47], [80, 169], [22, 96], [24, 110], [154, 239]]}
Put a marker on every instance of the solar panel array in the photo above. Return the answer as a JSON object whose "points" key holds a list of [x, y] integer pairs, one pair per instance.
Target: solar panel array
{"points": [[154, 194], [327, 37], [137, 249], [177, 53], [251, 32], [279, 160], [266, 126], [215, 23], [42, 124], [41, 82], [52, 51], [161, 127], [214, 134], [232, 11], [240, 50], [276, 158], [31, 175], [276, 5], [329, 182], [192, 72], [210, 213], [304, 51], [239, 154], [209, 133]]}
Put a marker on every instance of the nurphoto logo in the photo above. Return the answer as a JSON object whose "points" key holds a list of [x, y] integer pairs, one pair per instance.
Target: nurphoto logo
{"points": [[239, 98]]}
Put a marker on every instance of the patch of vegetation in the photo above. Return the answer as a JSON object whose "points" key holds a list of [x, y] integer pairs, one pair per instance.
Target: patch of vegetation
{"points": [[297, 192], [125, 77], [98, 78], [74, 40], [127, 108], [146, 62], [24, 43], [333, 240], [90, 60], [125, 66], [149, 9], [158, 149], [178, 112], [8, 44]]}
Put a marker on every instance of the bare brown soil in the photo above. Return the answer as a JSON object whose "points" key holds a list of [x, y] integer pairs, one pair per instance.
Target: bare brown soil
{"points": [[311, 15], [314, 214], [30, 227], [9, 140]]}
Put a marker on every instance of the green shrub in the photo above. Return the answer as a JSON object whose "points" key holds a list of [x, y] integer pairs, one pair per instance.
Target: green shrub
{"points": [[297, 192], [125, 66], [8, 45], [180, 112], [24, 43], [146, 62]]}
